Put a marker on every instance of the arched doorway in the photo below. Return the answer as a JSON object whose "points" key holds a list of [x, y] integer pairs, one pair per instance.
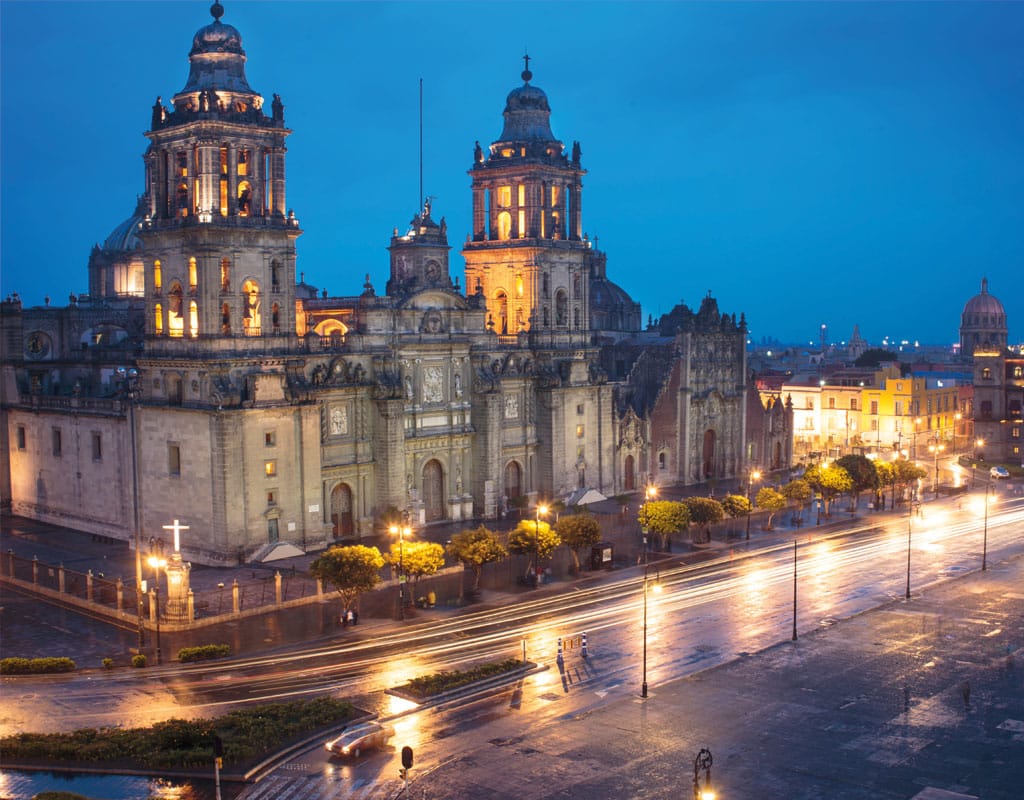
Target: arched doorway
{"points": [[433, 490], [777, 457], [341, 511], [629, 475], [513, 480], [709, 453]]}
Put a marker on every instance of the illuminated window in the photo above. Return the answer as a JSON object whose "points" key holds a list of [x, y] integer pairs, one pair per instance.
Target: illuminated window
{"points": [[97, 446], [20, 437], [504, 226], [175, 318], [183, 165], [225, 318], [554, 196], [1018, 372], [579, 431], [252, 319], [243, 162], [522, 224], [986, 373], [225, 274], [1015, 433], [182, 199], [244, 199], [192, 275], [522, 195], [271, 497], [193, 319], [853, 404], [270, 438], [158, 318], [275, 317], [173, 460], [899, 408], [519, 285], [158, 276], [504, 196], [270, 468], [831, 402]]}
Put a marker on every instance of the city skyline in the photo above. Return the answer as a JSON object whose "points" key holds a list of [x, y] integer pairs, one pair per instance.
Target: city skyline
{"points": [[807, 164]]}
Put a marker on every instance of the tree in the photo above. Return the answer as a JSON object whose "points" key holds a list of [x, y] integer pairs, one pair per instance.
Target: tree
{"points": [[736, 505], [874, 356], [798, 492], [886, 477], [576, 531], [906, 473], [830, 481], [533, 538], [474, 548], [663, 518], [704, 512], [351, 570], [863, 475], [416, 559], [772, 501]]}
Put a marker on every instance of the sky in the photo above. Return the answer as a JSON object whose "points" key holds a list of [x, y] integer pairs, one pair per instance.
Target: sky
{"points": [[807, 163]]}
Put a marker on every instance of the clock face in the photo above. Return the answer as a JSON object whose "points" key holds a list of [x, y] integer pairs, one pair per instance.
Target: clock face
{"points": [[433, 270]]}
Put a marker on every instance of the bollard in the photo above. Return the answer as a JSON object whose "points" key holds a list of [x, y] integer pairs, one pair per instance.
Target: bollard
{"points": [[191, 607], [88, 585], [277, 587], [235, 607], [586, 653]]}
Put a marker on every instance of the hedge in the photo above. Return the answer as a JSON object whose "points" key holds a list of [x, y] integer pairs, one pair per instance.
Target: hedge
{"points": [[203, 652], [35, 666]]}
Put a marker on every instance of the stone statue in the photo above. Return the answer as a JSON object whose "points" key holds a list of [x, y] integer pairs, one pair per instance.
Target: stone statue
{"points": [[478, 153]]}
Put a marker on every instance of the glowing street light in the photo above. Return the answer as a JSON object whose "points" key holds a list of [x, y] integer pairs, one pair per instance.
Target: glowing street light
{"points": [[657, 590], [157, 562], [542, 511], [752, 476], [401, 531]]}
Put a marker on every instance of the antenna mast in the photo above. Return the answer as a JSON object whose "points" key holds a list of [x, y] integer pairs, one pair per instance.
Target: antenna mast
{"points": [[419, 202]]}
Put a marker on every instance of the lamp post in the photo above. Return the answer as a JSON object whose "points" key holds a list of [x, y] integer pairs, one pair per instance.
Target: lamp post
{"points": [[794, 589], [910, 526], [753, 475], [649, 493], [401, 531], [984, 540], [542, 510], [956, 427], [979, 443], [935, 448], [128, 379], [657, 588], [157, 562], [702, 762]]}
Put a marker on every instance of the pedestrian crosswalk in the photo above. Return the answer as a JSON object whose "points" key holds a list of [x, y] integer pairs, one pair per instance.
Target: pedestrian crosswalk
{"points": [[319, 787]]}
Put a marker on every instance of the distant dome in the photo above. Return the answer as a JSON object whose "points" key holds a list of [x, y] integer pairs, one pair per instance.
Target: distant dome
{"points": [[611, 308], [984, 303], [125, 236]]}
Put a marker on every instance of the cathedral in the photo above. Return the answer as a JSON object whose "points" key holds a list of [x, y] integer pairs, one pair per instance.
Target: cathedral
{"points": [[201, 376]]}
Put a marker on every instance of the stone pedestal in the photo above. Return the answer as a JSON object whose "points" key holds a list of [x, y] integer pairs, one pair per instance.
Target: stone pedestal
{"points": [[177, 588]]}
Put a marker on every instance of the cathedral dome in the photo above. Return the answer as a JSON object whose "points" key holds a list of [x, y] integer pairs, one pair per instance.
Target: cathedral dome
{"points": [[984, 303], [217, 60], [527, 114], [126, 235]]}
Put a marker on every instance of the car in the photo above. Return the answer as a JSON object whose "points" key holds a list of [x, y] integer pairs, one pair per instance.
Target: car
{"points": [[999, 472], [364, 736]]}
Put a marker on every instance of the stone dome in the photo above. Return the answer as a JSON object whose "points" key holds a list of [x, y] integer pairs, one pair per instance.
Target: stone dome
{"points": [[217, 60], [984, 303], [527, 114], [126, 235], [217, 37], [983, 322]]}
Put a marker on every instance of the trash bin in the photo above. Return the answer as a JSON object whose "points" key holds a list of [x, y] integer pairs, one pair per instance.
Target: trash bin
{"points": [[602, 555]]}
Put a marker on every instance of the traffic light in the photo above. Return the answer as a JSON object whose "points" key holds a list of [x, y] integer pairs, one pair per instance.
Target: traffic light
{"points": [[407, 757]]}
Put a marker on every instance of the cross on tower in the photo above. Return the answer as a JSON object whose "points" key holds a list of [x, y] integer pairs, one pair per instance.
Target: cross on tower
{"points": [[526, 60], [177, 527]]}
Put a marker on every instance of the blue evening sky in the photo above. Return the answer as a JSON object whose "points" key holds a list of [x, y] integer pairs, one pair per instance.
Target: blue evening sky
{"points": [[808, 163]]}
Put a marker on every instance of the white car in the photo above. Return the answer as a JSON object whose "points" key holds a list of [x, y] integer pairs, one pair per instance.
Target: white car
{"points": [[999, 472], [364, 736]]}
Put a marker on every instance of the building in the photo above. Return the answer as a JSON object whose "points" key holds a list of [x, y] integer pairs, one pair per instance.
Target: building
{"points": [[201, 373]]}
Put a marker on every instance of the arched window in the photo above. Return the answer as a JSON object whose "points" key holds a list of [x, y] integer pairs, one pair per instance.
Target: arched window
{"points": [[193, 319], [225, 318], [433, 490], [182, 200], [244, 199], [576, 318], [158, 277], [342, 520], [193, 277], [275, 317], [175, 307], [576, 287], [546, 284], [561, 309], [661, 460], [504, 226], [252, 318], [547, 316], [513, 480], [158, 319], [275, 275], [225, 274]]}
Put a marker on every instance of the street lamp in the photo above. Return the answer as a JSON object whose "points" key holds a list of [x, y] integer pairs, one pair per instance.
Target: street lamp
{"points": [[984, 540], [657, 590], [956, 427], [401, 531], [542, 510], [650, 492], [702, 762], [157, 562], [935, 448], [753, 475], [910, 526], [128, 385]]}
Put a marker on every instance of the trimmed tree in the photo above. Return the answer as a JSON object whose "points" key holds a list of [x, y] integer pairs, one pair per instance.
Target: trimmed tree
{"points": [[474, 548], [416, 559], [704, 512], [830, 481], [351, 570], [577, 531], [862, 473], [907, 473], [663, 518], [798, 492], [736, 505], [886, 477], [533, 538], [772, 501]]}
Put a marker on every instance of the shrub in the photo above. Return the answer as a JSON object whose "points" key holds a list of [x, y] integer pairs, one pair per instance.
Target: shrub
{"points": [[108, 663], [203, 652], [443, 681], [35, 666], [138, 660]]}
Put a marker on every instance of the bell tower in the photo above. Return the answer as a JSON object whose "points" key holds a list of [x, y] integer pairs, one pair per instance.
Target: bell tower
{"points": [[527, 254], [219, 244]]}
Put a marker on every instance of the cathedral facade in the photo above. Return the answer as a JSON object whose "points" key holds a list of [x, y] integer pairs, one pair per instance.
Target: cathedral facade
{"points": [[201, 376]]}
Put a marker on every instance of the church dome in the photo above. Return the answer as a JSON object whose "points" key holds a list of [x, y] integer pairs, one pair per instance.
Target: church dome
{"points": [[984, 303], [527, 114], [217, 37], [217, 60], [126, 235]]}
